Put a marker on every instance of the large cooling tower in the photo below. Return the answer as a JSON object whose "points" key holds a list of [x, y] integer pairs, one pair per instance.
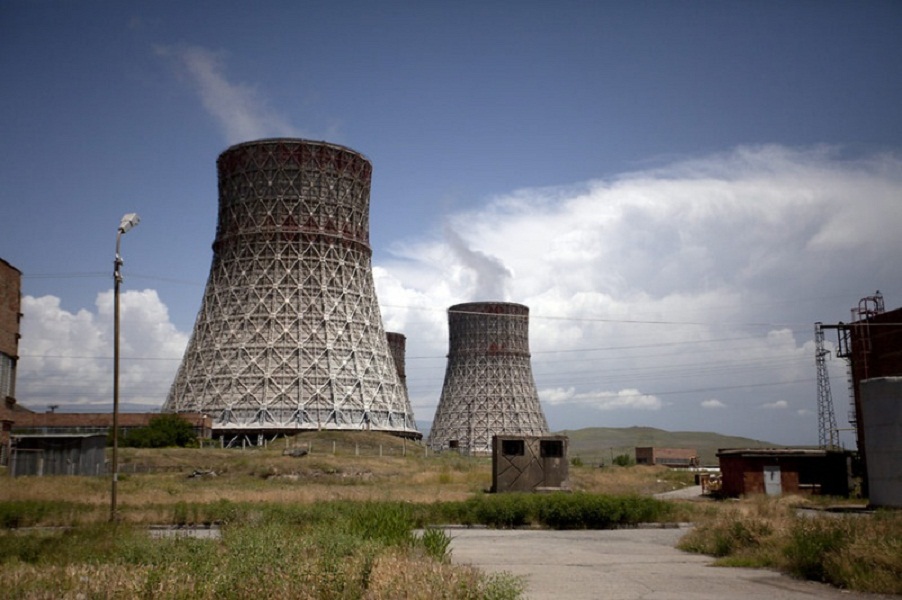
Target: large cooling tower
{"points": [[289, 335], [489, 388]]}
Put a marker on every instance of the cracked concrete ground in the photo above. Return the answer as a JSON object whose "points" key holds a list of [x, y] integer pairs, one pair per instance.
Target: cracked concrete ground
{"points": [[624, 564]]}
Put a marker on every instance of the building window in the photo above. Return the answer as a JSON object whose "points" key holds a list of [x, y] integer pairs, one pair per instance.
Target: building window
{"points": [[513, 447], [7, 375], [551, 448]]}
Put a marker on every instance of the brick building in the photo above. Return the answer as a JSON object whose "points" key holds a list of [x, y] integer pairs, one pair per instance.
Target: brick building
{"points": [[83, 423], [776, 471], [669, 457], [10, 317]]}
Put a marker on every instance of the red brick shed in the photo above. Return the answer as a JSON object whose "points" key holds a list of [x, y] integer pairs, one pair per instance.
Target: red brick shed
{"points": [[776, 471]]}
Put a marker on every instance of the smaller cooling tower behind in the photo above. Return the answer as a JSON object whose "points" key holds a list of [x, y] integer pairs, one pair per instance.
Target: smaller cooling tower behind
{"points": [[397, 343], [489, 387]]}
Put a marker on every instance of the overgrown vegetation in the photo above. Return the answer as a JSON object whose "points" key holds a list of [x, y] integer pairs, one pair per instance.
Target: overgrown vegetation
{"points": [[324, 549], [624, 460], [370, 493], [860, 552], [162, 431], [579, 510], [332, 550]]}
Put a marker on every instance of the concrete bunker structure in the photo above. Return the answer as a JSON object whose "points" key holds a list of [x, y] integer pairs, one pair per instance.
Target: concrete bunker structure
{"points": [[530, 463]]}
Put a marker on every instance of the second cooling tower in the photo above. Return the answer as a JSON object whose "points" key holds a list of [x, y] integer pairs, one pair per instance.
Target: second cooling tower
{"points": [[289, 335], [489, 387]]}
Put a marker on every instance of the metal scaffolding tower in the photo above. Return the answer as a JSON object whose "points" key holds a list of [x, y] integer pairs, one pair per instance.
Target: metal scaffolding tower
{"points": [[827, 432]]}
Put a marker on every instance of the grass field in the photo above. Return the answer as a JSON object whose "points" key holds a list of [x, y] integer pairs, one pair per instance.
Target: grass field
{"points": [[355, 499]]}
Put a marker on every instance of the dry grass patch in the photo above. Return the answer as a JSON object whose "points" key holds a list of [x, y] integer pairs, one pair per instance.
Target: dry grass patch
{"points": [[331, 550], [643, 480], [858, 551], [340, 466], [394, 573]]}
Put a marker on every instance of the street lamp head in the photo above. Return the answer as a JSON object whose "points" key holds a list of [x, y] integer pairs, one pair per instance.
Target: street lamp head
{"points": [[129, 221]]}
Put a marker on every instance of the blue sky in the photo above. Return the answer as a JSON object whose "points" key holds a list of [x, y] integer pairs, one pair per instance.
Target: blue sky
{"points": [[678, 190]]}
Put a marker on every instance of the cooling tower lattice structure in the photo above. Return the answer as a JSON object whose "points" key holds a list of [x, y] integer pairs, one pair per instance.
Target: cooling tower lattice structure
{"points": [[289, 335], [489, 388], [397, 343]]}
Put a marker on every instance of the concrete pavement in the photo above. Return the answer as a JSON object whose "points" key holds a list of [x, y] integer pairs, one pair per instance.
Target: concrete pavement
{"points": [[623, 564]]}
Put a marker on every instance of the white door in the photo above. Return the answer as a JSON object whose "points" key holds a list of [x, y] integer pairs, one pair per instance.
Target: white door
{"points": [[772, 483]]}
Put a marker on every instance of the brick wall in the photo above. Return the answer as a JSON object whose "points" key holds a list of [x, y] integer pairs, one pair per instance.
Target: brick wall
{"points": [[10, 308]]}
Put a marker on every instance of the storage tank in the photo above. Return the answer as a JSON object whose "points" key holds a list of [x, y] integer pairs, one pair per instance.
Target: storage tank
{"points": [[881, 419]]}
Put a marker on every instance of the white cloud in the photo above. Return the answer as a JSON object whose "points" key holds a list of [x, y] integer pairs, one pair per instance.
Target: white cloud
{"points": [[779, 404], [240, 109], [67, 358], [704, 276], [602, 400], [712, 403]]}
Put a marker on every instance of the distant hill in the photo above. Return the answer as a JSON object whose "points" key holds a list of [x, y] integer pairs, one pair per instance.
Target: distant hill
{"points": [[597, 445]]}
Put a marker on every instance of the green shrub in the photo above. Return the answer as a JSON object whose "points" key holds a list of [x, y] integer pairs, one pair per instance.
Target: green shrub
{"points": [[502, 510], [29, 513], [442, 513], [596, 511], [563, 511], [810, 541], [578, 510], [437, 544], [162, 431], [387, 523], [624, 460]]}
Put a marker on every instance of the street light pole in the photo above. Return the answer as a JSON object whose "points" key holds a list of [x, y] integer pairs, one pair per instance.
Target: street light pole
{"points": [[128, 221]]}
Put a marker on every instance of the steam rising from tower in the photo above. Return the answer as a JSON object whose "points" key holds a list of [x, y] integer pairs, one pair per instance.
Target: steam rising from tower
{"points": [[289, 335], [489, 388]]}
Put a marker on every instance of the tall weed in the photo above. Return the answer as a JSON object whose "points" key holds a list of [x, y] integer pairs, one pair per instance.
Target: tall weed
{"points": [[809, 541], [30, 513], [268, 558], [861, 552], [437, 544]]}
